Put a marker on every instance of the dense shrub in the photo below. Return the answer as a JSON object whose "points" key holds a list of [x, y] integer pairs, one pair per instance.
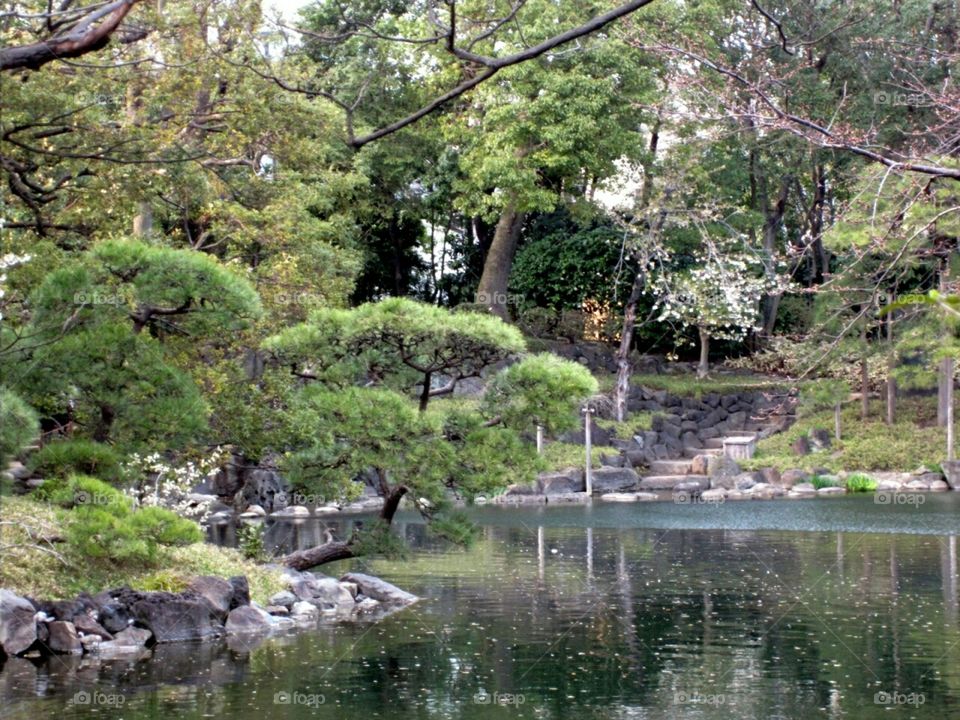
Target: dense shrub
{"points": [[64, 458], [104, 524], [18, 425]]}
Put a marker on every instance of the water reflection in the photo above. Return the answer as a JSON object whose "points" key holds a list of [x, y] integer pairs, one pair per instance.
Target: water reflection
{"points": [[579, 620]]}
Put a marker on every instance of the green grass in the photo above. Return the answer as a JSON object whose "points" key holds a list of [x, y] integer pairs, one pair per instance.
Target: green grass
{"points": [[912, 442], [688, 385], [858, 482], [559, 455], [819, 482], [30, 571], [634, 425]]}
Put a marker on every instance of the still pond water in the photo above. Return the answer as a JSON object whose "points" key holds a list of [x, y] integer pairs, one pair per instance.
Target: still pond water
{"points": [[836, 608]]}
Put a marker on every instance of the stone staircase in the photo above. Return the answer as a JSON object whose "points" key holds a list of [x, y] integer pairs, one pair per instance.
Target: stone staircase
{"points": [[690, 472]]}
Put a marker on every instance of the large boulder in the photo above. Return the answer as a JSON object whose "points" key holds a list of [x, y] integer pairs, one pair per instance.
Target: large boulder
{"points": [[18, 625], [63, 638], [248, 620], [330, 591], [129, 642], [114, 617], [565, 481], [379, 589], [171, 617], [216, 591], [722, 471], [241, 591], [951, 472], [611, 480]]}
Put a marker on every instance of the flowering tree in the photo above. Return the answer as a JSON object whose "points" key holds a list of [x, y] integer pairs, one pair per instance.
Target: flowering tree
{"points": [[719, 296]]}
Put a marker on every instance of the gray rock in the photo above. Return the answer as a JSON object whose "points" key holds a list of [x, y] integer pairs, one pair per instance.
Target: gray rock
{"points": [[522, 489], [293, 511], [691, 486], [304, 611], [18, 628], [690, 439], [241, 591], [613, 460], [378, 589], [216, 591], [790, 478], [132, 638], [804, 487], [330, 591], [820, 439], [719, 466], [284, 598], [247, 620], [610, 480], [85, 623], [700, 465], [171, 617], [565, 481], [771, 476], [951, 472], [745, 481], [114, 618], [830, 490], [64, 638]]}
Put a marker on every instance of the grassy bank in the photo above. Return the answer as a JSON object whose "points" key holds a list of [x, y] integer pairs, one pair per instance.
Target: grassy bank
{"points": [[913, 441], [34, 563]]}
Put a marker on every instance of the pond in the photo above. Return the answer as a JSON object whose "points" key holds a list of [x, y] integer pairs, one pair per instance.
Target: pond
{"points": [[839, 608]]}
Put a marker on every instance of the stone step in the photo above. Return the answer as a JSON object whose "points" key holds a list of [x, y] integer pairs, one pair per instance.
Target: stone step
{"points": [[693, 452], [670, 467], [668, 482], [715, 443]]}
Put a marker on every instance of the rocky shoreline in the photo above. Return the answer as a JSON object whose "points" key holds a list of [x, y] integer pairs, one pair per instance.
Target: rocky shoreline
{"points": [[122, 622]]}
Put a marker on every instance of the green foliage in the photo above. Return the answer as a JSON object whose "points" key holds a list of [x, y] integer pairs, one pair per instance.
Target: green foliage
{"points": [[63, 458], [819, 482], [250, 541], [18, 425], [541, 389], [163, 289], [103, 524], [356, 429], [561, 455], [858, 482], [399, 342], [823, 393], [82, 490], [118, 386], [563, 268]]}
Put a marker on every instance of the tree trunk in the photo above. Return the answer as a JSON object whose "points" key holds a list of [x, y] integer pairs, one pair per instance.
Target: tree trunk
{"points": [[864, 389], [942, 388], [492, 290], [704, 367], [836, 420], [425, 393], [143, 220], [949, 401], [318, 555], [773, 220], [626, 341]]}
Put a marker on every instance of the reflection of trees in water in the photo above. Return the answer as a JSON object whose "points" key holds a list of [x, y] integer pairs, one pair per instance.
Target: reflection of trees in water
{"points": [[784, 622]]}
